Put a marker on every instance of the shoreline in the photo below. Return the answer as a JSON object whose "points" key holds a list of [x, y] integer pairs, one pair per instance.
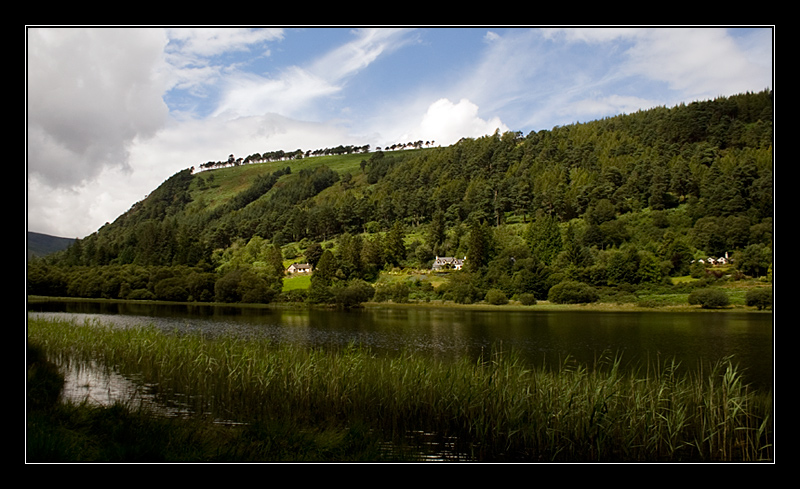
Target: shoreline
{"points": [[434, 304]]}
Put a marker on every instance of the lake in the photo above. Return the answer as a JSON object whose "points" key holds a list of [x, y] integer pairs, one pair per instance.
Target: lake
{"points": [[541, 337]]}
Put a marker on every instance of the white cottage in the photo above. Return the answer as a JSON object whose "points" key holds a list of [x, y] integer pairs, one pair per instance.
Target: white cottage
{"points": [[305, 268], [448, 263]]}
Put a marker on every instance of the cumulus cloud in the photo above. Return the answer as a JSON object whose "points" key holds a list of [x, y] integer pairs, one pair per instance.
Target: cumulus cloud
{"points": [[111, 113], [446, 122]]}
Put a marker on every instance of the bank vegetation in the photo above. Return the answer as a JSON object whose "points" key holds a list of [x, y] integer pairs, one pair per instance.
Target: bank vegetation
{"points": [[250, 400]]}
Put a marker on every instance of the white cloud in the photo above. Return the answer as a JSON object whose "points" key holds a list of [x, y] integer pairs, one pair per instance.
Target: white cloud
{"points": [[291, 94], [697, 63], [356, 55], [91, 92], [592, 108], [207, 41], [100, 135], [446, 122], [295, 90]]}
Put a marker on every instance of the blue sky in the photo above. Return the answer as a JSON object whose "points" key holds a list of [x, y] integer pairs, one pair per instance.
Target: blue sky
{"points": [[112, 112]]}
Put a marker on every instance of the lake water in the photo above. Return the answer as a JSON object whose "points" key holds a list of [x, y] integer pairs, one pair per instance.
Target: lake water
{"points": [[540, 337]]}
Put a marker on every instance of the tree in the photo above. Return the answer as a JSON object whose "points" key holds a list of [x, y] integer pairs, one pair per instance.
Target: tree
{"points": [[273, 272], [754, 260], [226, 288], [479, 248], [350, 248], [352, 293], [371, 257], [253, 288], [649, 268], [325, 272], [436, 235], [544, 237], [760, 298], [394, 246], [313, 253]]}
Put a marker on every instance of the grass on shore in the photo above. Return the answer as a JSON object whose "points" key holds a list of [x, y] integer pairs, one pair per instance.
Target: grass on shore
{"points": [[294, 403]]}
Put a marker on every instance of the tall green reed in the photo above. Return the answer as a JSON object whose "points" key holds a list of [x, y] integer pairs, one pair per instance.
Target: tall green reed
{"points": [[498, 408]]}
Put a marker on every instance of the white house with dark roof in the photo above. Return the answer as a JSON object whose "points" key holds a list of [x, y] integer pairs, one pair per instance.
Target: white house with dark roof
{"points": [[448, 263], [305, 268]]}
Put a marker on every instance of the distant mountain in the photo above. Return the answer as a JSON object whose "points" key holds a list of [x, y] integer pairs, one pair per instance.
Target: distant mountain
{"points": [[43, 244]]}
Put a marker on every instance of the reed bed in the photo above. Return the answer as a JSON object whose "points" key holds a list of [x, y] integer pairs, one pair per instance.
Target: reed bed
{"points": [[496, 408]]}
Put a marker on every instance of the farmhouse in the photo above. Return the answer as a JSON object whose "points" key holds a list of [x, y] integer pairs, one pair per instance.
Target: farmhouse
{"points": [[302, 268], [448, 263]]}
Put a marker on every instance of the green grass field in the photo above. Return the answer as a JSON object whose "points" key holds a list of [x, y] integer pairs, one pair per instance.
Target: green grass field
{"points": [[296, 282]]}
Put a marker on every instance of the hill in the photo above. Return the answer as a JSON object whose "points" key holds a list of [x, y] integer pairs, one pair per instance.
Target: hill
{"points": [[43, 244], [626, 200]]}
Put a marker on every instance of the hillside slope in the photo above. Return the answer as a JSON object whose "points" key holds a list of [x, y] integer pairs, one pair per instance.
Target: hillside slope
{"points": [[625, 199], [43, 244]]}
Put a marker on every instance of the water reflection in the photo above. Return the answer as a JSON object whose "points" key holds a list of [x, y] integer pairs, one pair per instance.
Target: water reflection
{"points": [[540, 337]]}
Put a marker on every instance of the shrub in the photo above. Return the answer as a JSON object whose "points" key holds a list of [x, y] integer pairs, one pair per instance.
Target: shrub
{"points": [[397, 292], [463, 293], [697, 270], [761, 298], [570, 292], [527, 299], [171, 289], [352, 293], [140, 294], [709, 298], [496, 297]]}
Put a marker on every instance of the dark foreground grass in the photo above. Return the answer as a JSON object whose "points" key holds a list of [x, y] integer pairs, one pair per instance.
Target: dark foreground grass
{"points": [[285, 403]]}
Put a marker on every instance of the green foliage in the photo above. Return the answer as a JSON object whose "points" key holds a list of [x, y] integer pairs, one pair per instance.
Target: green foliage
{"points": [[325, 273], [709, 298], [760, 298], [501, 404], [571, 292], [544, 237], [394, 245], [754, 260], [496, 297], [479, 247], [397, 292], [623, 200]]}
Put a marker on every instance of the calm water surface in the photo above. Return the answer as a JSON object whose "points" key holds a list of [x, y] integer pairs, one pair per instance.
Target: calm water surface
{"points": [[541, 337]]}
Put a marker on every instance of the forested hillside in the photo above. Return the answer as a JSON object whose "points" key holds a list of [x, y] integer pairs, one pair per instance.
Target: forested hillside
{"points": [[627, 200]]}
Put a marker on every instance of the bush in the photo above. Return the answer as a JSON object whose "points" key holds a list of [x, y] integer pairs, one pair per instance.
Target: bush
{"points": [[709, 298], [527, 299], [496, 297], [570, 292], [352, 293], [171, 289], [397, 292], [463, 293], [140, 295], [760, 298]]}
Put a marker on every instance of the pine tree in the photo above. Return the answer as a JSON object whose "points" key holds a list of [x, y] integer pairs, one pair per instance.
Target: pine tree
{"points": [[395, 248], [544, 238]]}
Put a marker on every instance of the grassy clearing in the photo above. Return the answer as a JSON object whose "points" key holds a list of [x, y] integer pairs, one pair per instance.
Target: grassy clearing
{"points": [[296, 282], [347, 401]]}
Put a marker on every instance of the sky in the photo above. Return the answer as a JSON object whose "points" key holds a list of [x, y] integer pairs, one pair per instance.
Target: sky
{"points": [[113, 112]]}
